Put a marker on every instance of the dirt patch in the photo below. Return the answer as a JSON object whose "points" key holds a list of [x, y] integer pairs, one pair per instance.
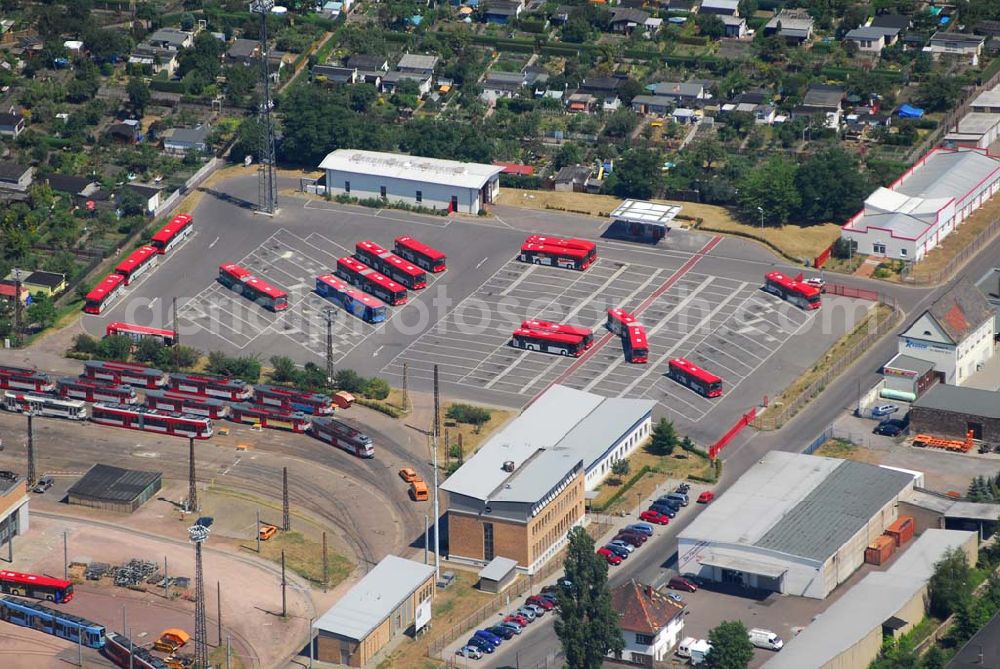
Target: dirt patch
{"points": [[840, 448], [601, 205], [305, 557], [792, 240], [679, 465], [469, 437]]}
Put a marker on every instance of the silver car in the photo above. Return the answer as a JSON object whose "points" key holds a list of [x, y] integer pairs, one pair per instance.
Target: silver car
{"points": [[470, 651], [528, 612], [538, 610]]}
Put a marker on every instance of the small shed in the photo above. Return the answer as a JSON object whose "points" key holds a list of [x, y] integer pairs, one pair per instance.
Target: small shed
{"points": [[114, 489], [978, 517], [497, 575]]}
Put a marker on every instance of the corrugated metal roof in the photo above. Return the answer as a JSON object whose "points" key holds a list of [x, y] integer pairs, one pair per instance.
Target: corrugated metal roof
{"points": [[377, 595], [950, 174], [835, 510], [113, 484], [497, 569], [864, 608], [962, 400], [410, 168]]}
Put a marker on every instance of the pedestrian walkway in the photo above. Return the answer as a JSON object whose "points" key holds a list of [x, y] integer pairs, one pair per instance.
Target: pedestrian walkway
{"points": [[867, 268]]}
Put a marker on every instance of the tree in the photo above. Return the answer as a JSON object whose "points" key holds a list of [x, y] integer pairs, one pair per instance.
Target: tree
{"points": [[731, 647], [621, 123], [149, 350], [587, 624], [138, 94], [349, 380], [621, 467], [664, 438], [42, 311], [182, 357], [568, 154], [710, 26], [934, 658], [831, 188], [939, 93], [637, 174], [376, 388], [771, 187], [114, 348], [187, 21], [283, 369], [466, 413], [628, 90], [949, 585], [84, 343]]}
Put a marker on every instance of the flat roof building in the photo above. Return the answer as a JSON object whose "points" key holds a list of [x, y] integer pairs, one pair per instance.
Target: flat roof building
{"points": [[850, 632], [426, 182], [520, 494], [953, 411], [393, 598], [114, 489], [795, 524], [13, 506]]}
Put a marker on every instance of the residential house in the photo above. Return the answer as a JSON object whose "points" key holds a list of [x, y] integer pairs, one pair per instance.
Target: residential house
{"points": [[243, 51], [869, 40], [364, 62], [601, 86], [652, 26], [651, 622], [659, 105], [150, 195], [15, 177], [687, 6], [170, 38], [572, 178], [179, 141], [503, 84], [390, 82], [762, 114], [690, 93], [157, 59], [126, 132], [889, 21], [684, 116], [11, 123], [957, 44], [794, 25], [560, 15], [9, 288], [611, 104], [625, 20], [334, 74], [736, 26], [581, 102], [720, 7], [49, 283], [416, 63], [80, 188], [988, 102], [822, 99], [502, 12]]}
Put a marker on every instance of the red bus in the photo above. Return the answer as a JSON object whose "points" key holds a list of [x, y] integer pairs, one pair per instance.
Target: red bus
{"points": [[585, 334], [636, 347], [139, 332], [695, 378], [571, 253], [390, 264], [131, 374], [618, 320], [140, 260], [290, 399], [234, 390], [37, 587], [547, 342], [128, 655], [270, 417], [173, 233], [104, 293], [366, 307], [152, 420], [18, 378], [420, 254], [95, 391], [796, 291], [371, 281], [187, 404], [241, 281], [343, 436]]}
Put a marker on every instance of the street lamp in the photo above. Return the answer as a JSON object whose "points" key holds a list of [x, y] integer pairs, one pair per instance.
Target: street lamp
{"points": [[761, 210]]}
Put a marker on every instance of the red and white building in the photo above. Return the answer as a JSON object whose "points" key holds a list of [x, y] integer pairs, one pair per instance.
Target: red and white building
{"points": [[922, 207]]}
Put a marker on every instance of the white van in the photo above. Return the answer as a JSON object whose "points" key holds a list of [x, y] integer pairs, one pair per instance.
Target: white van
{"points": [[695, 650], [765, 639]]}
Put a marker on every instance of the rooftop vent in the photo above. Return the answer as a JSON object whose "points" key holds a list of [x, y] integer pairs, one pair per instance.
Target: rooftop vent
{"points": [[508, 465]]}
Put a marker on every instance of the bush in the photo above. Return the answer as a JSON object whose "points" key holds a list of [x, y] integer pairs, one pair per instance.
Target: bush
{"points": [[114, 348], [349, 380], [84, 343], [466, 413], [376, 388], [243, 367]]}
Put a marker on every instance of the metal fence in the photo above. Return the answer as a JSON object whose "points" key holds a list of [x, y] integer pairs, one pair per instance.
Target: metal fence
{"points": [[971, 249]]}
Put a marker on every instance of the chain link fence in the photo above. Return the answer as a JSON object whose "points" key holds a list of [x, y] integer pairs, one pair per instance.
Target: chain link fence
{"points": [[916, 277]]}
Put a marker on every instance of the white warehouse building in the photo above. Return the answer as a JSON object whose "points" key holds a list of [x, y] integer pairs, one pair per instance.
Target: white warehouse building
{"points": [[913, 215], [424, 182], [795, 524]]}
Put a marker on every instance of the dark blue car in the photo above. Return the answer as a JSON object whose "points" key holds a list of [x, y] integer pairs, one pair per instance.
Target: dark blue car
{"points": [[481, 644], [618, 550], [488, 636]]}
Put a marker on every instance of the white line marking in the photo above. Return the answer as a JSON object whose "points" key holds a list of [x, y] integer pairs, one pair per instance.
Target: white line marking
{"points": [[214, 243], [152, 302], [377, 351], [518, 280], [505, 372], [482, 261]]}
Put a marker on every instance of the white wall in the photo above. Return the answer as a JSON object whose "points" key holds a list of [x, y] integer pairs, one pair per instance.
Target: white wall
{"points": [[974, 352], [622, 448], [663, 643], [433, 196]]}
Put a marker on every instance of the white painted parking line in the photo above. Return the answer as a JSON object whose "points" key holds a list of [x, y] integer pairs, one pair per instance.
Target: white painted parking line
{"points": [[328, 241], [673, 398], [518, 280], [505, 372], [214, 242], [482, 262]]}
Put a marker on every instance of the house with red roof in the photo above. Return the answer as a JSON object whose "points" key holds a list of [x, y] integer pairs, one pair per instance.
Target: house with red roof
{"points": [[650, 621]]}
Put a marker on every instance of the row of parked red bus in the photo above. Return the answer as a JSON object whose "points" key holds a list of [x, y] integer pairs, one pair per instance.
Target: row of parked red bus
{"points": [[632, 333], [578, 254], [548, 337], [138, 262]]}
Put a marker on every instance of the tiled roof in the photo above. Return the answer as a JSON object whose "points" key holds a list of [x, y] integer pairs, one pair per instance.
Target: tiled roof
{"points": [[960, 310], [643, 609]]}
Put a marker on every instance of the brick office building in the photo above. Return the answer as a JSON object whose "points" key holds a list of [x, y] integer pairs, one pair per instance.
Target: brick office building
{"points": [[951, 411]]}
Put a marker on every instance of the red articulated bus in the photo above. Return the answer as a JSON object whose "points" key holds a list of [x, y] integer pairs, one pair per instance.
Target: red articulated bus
{"points": [[796, 290], [420, 254], [129, 655], [208, 407], [173, 233], [34, 586], [548, 342], [140, 260], [254, 414], [152, 420], [576, 254], [636, 347], [618, 320], [390, 264], [138, 376], [90, 390], [104, 293], [585, 334], [18, 378], [139, 332], [694, 377], [241, 281], [233, 390], [371, 281], [290, 399]]}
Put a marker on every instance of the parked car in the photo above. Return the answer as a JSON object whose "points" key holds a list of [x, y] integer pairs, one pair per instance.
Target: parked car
{"points": [[551, 596], [619, 550], [481, 644], [884, 410], [664, 509], [561, 583], [706, 497], [543, 602], [501, 631], [539, 610], [654, 517], [889, 428], [612, 558], [684, 488], [682, 583], [43, 484], [678, 498], [512, 626], [631, 538], [470, 651], [516, 619], [642, 528], [527, 613], [817, 282], [676, 597], [489, 636], [408, 475]]}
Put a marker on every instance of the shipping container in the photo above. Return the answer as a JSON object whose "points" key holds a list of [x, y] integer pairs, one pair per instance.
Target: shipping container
{"points": [[343, 399], [880, 550], [902, 530]]}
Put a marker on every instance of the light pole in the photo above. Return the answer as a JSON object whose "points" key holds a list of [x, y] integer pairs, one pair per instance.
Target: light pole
{"points": [[761, 210]]}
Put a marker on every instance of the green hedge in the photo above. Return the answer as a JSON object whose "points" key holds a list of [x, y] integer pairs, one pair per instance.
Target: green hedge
{"points": [[621, 491], [167, 86]]}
